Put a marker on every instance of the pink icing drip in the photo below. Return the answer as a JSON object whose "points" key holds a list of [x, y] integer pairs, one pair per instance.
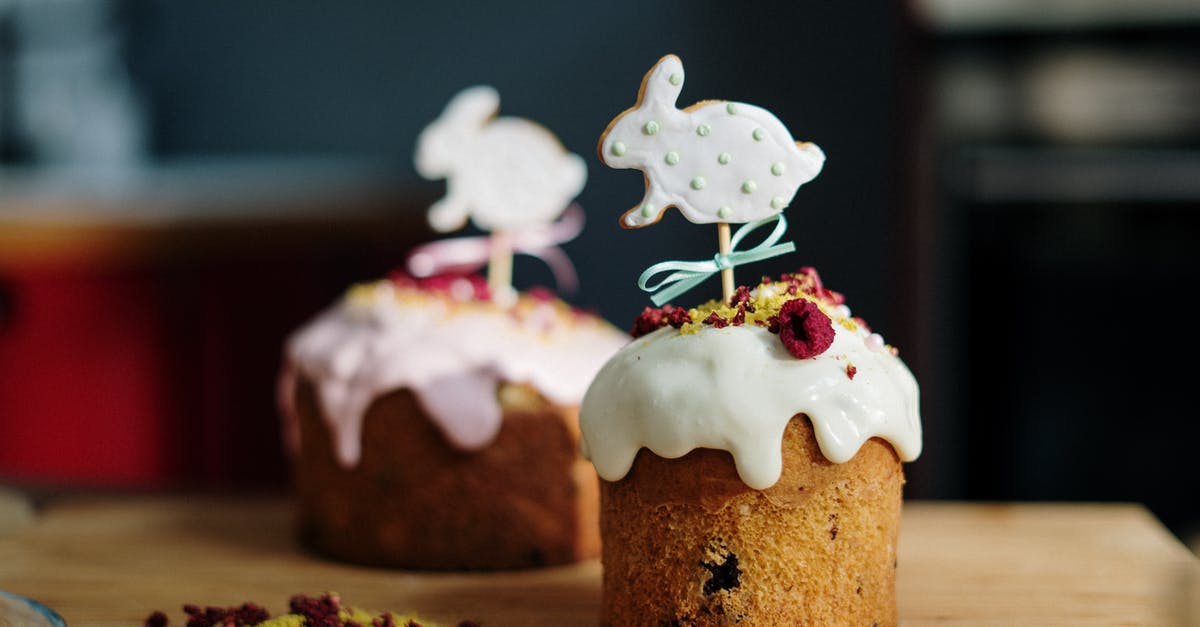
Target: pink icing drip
{"points": [[464, 407]]}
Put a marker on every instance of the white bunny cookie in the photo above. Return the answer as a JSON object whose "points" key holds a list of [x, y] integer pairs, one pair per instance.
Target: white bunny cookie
{"points": [[715, 161], [505, 173]]}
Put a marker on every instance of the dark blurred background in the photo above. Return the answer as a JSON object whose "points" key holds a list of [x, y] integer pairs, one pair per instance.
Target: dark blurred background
{"points": [[1011, 197]]}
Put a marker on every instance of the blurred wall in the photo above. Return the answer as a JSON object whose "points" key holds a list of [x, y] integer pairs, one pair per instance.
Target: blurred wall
{"points": [[363, 78]]}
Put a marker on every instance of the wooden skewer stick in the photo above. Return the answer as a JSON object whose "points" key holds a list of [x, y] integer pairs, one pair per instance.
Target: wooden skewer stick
{"points": [[500, 268], [726, 273]]}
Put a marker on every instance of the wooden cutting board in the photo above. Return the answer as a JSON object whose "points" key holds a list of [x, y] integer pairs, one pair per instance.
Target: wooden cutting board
{"points": [[113, 560]]}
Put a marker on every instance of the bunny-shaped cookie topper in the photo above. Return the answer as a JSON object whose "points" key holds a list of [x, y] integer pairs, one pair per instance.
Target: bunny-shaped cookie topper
{"points": [[715, 161], [505, 173], [511, 177]]}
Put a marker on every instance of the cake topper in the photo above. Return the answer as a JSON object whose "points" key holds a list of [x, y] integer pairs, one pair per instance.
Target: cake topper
{"points": [[715, 161], [511, 177]]}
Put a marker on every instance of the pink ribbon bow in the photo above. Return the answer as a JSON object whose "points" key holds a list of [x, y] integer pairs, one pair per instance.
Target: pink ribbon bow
{"points": [[463, 255]]}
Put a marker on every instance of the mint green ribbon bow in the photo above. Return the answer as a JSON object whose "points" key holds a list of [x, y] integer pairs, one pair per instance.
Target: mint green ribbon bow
{"points": [[688, 274]]}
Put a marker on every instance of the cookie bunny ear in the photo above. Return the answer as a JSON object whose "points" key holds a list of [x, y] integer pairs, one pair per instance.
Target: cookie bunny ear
{"points": [[473, 106], [663, 82]]}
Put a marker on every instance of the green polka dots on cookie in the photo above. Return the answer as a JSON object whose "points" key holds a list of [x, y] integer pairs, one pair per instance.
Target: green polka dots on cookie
{"points": [[671, 158], [698, 183], [724, 158], [618, 148]]}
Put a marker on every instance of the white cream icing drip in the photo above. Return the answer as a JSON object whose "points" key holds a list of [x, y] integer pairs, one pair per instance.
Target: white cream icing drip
{"points": [[450, 354], [736, 389]]}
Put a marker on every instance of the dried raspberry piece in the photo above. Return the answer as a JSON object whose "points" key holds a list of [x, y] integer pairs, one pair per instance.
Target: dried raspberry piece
{"points": [[716, 321], [318, 611], [831, 297], [204, 617], [541, 294], [804, 329], [812, 275], [851, 370], [652, 319], [157, 619], [400, 278], [739, 318], [649, 320], [459, 286], [740, 296], [677, 316], [250, 614]]}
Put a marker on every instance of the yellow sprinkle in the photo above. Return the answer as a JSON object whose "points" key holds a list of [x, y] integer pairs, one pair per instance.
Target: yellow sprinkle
{"points": [[769, 300]]}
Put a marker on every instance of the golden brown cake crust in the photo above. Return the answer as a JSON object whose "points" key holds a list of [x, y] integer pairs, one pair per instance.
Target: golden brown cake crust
{"points": [[686, 542], [527, 499]]}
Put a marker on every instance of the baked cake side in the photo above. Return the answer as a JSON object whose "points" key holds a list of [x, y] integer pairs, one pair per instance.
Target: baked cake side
{"points": [[433, 429]]}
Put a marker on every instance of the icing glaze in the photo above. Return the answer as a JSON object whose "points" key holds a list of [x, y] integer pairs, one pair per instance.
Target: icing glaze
{"points": [[450, 352], [681, 158], [736, 388], [504, 173]]}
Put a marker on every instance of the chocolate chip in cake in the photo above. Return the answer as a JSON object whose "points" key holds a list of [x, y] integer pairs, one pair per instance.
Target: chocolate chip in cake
{"points": [[725, 576]]}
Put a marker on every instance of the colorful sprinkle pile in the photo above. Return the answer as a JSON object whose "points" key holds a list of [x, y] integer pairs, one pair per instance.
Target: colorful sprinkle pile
{"points": [[326, 610], [461, 287], [796, 307], [537, 308]]}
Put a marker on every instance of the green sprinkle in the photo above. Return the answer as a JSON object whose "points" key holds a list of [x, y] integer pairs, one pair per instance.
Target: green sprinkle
{"points": [[731, 108], [777, 169], [618, 148], [648, 210], [703, 130], [698, 183], [724, 212], [650, 128], [675, 79], [724, 158], [778, 203], [758, 134], [748, 186], [672, 158]]}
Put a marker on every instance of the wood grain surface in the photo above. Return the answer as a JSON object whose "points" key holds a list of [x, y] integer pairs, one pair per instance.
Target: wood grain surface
{"points": [[109, 560]]}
